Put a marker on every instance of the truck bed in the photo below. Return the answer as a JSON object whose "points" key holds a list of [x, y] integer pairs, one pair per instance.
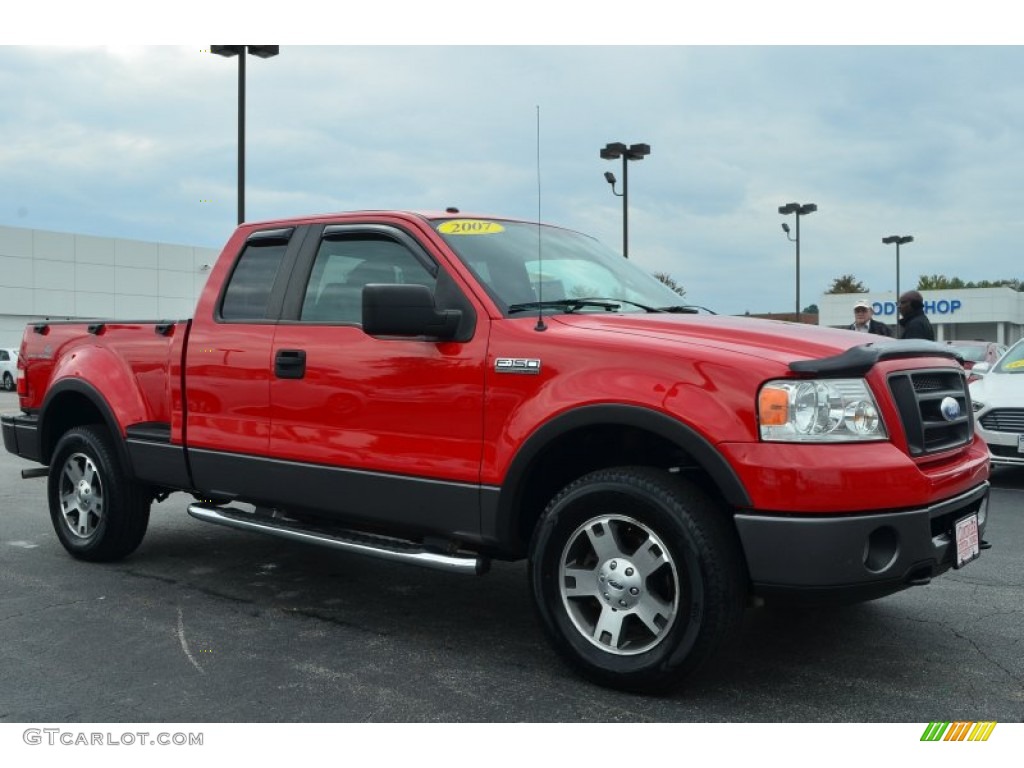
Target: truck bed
{"points": [[138, 361]]}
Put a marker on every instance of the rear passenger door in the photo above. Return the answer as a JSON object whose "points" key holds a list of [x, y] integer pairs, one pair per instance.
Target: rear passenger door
{"points": [[389, 428], [228, 368]]}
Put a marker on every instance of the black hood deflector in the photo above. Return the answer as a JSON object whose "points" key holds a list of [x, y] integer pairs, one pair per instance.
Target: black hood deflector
{"points": [[857, 361]]}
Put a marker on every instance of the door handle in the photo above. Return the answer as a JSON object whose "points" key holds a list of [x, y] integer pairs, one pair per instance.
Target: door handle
{"points": [[290, 363]]}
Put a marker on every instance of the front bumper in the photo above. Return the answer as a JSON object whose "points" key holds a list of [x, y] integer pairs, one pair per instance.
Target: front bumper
{"points": [[1003, 448], [1001, 456], [857, 556]]}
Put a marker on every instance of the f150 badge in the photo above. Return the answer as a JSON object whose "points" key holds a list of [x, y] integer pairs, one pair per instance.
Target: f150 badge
{"points": [[516, 365]]}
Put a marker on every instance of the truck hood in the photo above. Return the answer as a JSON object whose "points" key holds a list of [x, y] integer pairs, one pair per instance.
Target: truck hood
{"points": [[774, 340]]}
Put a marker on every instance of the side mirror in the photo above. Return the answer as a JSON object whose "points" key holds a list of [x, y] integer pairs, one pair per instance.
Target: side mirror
{"points": [[406, 310]]}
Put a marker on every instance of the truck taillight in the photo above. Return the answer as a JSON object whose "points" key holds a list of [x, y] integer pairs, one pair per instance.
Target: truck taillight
{"points": [[22, 384]]}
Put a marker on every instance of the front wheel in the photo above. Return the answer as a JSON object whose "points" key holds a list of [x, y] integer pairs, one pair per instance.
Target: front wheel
{"points": [[8, 381], [98, 512], [637, 577]]}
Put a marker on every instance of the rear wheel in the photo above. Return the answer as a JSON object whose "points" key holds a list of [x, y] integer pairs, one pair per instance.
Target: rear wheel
{"points": [[637, 577], [98, 512], [8, 381]]}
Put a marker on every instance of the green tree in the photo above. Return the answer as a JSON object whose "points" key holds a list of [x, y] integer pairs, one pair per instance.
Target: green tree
{"points": [[939, 282], [812, 309], [1013, 283], [847, 284], [670, 281]]}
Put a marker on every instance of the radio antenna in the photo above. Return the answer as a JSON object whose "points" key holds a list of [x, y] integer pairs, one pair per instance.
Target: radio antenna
{"points": [[540, 250]]}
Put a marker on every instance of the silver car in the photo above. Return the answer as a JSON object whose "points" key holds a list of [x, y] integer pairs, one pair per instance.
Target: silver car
{"points": [[999, 407], [8, 368]]}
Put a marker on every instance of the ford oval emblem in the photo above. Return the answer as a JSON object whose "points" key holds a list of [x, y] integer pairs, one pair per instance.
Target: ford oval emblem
{"points": [[950, 409]]}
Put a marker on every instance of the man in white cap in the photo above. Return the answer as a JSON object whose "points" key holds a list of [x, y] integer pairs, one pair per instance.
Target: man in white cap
{"points": [[864, 321]]}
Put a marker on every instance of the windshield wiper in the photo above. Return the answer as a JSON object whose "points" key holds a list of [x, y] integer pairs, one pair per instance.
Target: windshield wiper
{"points": [[609, 305], [569, 305], [644, 307], [689, 309]]}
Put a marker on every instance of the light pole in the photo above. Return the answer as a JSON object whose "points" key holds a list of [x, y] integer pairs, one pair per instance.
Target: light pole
{"points": [[263, 52], [614, 151], [899, 240], [799, 210]]}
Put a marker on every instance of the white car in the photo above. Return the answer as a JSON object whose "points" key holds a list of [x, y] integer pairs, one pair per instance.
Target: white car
{"points": [[998, 399], [8, 368]]}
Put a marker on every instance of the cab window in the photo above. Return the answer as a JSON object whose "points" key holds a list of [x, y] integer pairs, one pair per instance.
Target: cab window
{"points": [[343, 266], [247, 296]]}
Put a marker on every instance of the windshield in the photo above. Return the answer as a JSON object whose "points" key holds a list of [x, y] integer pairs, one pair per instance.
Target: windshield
{"points": [[521, 264], [970, 352], [1013, 360]]}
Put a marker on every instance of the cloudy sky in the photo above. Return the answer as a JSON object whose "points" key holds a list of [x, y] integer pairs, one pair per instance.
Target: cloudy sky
{"points": [[926, 140]]}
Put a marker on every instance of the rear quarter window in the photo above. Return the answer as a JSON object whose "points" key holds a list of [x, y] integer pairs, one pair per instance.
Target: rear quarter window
{"points": [[247, 295]]}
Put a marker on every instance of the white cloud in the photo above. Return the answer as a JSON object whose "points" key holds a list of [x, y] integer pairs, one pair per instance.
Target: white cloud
{"points": [[141, 143]]}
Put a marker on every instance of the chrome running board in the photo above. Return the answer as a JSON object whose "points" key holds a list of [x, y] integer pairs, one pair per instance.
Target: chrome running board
{"points": [[372, 545]]}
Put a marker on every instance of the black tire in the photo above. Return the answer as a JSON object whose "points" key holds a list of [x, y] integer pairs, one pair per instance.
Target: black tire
{"points": [[651, 603], [8, 381], [98, 512]]}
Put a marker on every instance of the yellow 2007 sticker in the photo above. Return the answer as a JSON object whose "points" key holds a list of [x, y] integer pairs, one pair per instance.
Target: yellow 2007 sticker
{"points": [[470, 227], [1014, 364]]}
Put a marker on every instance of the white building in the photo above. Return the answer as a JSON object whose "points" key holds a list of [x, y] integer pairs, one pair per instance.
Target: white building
{"points": [[991, 314], [60, 275]]}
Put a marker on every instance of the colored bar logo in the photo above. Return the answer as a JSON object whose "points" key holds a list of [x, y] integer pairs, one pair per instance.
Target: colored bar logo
{"points": [[958, 731]]}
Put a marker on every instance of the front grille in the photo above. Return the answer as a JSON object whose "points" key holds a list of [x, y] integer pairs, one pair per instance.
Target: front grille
{"points": [[1006, 451], [1004, 420], [918, 396]]}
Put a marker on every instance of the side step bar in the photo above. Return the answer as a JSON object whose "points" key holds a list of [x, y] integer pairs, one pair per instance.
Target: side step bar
{"points": [[348, 541]]}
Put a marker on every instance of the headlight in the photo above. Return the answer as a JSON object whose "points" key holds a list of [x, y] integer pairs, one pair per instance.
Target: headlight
{"points": [[975, 391], [818, 411]]}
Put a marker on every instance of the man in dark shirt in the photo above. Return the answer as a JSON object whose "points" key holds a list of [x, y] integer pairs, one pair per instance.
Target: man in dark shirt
{"points": [[914, 324]]}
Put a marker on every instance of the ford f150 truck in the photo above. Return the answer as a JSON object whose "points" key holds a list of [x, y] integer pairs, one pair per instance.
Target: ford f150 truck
{"points": [[445, 390]]}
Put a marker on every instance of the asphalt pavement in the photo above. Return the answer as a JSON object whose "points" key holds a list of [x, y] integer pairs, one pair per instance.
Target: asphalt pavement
{"points": [[206, 624]]}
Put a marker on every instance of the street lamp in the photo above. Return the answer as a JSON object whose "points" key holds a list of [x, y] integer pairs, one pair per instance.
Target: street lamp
{"points": [[899, 240], [263, 52], [799, 210], [614, 151]]}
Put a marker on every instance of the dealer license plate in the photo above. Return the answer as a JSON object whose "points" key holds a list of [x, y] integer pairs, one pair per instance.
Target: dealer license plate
{"points": [[967, 542]]}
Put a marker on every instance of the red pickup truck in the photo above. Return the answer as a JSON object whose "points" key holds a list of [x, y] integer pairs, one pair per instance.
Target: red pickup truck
{"points": [[444, 389]]}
